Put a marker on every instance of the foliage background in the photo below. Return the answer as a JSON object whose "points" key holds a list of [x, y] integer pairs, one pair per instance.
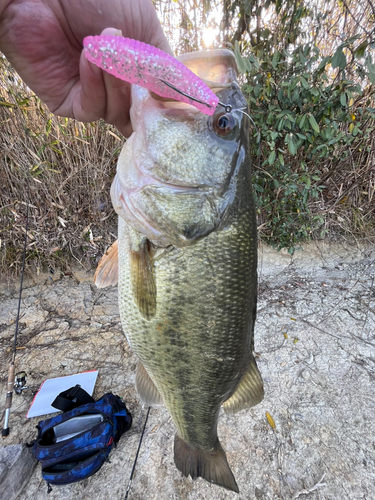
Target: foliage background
{"points": [[308, 72]]}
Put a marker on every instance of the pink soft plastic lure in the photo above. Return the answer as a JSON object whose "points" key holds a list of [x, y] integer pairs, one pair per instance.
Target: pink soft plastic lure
{"points": [[139, 63]]}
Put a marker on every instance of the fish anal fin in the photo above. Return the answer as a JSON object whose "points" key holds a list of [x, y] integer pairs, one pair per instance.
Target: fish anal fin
{"points": [[211, 465], [107, 271], [249, 391], [146, 388], [143, 279]]}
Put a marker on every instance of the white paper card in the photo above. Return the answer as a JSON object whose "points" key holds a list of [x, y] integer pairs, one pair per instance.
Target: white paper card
{"points": [[52, 387]]}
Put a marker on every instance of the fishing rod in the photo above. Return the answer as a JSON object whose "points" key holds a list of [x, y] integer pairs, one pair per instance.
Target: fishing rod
{"points": [[18, 382], [136, 456]]}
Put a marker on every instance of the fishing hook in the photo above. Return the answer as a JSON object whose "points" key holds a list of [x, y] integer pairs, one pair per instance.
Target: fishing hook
{"points": [[184, 94], [227, 107]]}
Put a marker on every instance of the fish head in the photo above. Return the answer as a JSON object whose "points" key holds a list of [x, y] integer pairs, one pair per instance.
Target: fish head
{"points": [[178, 173]]}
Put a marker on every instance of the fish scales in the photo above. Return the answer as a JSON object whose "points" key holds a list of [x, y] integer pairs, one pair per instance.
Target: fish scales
{"points": [[198, 344], [187, 262]]}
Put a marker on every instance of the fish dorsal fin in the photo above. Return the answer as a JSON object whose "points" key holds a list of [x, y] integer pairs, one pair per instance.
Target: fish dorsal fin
{"points": [[146, 388], [217, 65], [107, 271], [249, 391], [143, 279]]}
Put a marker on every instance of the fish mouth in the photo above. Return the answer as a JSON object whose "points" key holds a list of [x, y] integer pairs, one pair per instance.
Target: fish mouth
{"points": [[129, 204]]}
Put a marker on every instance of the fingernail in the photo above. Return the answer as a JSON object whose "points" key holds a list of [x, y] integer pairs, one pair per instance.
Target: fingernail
{"points": [[111, 32]]}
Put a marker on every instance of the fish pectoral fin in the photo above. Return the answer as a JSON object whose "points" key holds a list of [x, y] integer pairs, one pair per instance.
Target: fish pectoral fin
{"points": [[146, 388], [143, 279], [249, 391], [211, 465], [107, 271]]}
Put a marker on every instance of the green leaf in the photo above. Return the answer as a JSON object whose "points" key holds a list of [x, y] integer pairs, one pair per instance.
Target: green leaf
{"points": [[352, 39], [339, 59], [239, 59], [343, 99], [271, 158], [289, 139], [293, 84], [274, 135], [305, 85], [355, 131], [275, 59], [313, 124], [360, 51], [48, 127], [257, 90], [371, 69], [324, 62], [280, 124], [56, 150]]}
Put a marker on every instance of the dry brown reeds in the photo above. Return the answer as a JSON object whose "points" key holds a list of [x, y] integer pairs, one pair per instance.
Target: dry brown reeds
{"points": [[67, 167], [349, 180]]}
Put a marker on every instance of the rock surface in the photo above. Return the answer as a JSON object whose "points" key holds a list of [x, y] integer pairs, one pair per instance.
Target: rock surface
{"points": [[16, 466], [315, 337]]}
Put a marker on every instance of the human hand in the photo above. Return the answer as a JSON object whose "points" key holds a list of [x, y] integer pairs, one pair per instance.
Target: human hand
{"points": [[42, 39]]}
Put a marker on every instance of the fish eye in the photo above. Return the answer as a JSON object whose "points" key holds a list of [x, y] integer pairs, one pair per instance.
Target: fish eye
{"points": [[224, 124]]}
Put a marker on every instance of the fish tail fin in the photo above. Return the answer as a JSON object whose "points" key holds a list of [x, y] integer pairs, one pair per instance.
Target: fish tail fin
{"points": [[211, 465]]}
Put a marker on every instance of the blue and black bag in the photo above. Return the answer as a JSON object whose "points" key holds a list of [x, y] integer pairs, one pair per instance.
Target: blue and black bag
{"points": [[75, 444]]}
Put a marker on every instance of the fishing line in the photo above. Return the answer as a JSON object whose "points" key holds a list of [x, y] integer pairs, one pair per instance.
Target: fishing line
{"points": [[241, 110], [136, 457], [10, 384]]}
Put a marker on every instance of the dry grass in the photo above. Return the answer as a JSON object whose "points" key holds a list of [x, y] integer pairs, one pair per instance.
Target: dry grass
{"points": [[349, 194], [67, 167]]}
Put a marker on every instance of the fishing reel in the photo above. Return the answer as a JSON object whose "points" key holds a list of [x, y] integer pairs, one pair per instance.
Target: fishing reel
{"points": [[20, 382], [19, 385]]}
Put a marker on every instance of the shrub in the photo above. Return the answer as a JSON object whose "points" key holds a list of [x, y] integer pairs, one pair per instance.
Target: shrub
{"points": [[311, 120]]}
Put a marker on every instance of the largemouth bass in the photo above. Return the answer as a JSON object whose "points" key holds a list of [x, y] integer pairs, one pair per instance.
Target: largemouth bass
{"points": [[187, 262]]}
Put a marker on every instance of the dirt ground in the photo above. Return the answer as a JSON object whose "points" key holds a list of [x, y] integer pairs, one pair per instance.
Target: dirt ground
{"points": [[315, 337]]}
